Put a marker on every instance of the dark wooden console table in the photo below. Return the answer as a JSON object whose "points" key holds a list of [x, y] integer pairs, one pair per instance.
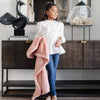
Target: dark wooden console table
{"points": [[78, 55]]}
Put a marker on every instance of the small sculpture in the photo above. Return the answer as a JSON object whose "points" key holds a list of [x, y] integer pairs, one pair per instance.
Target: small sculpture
{"points": [[17, 23], [80, 15], [81, 21], [30, 11]]}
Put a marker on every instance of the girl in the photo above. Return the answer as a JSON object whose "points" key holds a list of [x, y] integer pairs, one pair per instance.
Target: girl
{"points": [[53, 30]]}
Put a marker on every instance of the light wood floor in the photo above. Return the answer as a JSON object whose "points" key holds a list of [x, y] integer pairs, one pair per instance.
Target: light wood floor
{"points": [[59, 98]]}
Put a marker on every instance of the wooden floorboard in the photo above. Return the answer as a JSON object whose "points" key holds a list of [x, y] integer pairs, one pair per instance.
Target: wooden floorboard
{"points": [[59, 98]]}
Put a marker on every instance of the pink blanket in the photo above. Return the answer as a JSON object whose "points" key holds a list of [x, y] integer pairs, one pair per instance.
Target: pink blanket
{"points": [[40, 49]]}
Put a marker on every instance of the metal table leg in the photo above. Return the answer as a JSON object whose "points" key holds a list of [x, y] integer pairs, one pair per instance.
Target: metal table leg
{"points": [[83, 33], [89, 33], [72, 32], [2, 92], [6, 78]]}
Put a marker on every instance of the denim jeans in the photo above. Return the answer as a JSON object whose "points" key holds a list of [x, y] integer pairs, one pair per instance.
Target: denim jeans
{"points": [[51, 69]]}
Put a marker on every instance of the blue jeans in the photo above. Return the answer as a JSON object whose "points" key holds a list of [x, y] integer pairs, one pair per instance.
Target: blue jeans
{"points": [[51, 68]]}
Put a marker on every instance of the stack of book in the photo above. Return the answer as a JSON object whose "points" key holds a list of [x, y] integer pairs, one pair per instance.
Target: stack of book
{"points": [[18, 38]]}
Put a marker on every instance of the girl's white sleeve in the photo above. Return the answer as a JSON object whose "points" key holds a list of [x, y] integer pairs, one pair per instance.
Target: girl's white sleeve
{"points": [[38, 29], [61, 32]]}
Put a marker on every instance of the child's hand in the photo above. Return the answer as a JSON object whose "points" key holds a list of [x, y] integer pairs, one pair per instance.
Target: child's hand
{"points": [[58, 43]]}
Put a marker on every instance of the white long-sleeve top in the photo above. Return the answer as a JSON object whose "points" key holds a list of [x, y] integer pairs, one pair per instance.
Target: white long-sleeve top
{"points": [[51, 30]]}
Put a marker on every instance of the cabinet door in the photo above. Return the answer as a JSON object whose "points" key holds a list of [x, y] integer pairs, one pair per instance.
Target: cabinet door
{"points": [[73, 56], [31, 62], [97, 54], [89, 54], [14, 54]]}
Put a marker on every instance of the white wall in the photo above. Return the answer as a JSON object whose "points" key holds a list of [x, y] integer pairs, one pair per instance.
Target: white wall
{"points": [[85, 1], [72, 3], [6, 31]]}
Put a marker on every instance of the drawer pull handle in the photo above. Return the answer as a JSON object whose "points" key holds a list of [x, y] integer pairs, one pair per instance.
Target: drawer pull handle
{"points": [[27, 41], [82, 42]]}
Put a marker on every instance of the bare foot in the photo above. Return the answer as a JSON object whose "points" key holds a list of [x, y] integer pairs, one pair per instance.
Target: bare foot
{"points": [[48, 98], [54, 97]]}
